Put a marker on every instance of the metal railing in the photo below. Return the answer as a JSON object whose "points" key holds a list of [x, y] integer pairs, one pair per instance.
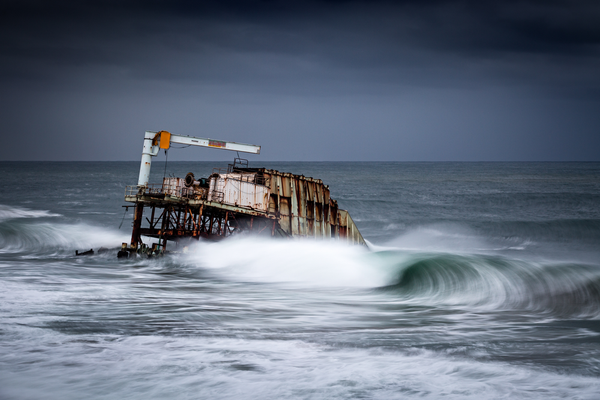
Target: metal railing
{"points": [[160, 190], [148, 190]]}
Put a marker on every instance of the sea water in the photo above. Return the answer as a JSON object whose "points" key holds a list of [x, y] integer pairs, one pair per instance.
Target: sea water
{"points": [[481, 280]]}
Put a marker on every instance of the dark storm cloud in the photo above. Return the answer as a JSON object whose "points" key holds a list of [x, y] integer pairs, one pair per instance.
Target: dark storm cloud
{"points": [[258, 41], [366, 80]]}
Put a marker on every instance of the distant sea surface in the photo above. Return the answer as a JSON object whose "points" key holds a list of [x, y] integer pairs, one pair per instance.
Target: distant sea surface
{"points": [[482, 281]]}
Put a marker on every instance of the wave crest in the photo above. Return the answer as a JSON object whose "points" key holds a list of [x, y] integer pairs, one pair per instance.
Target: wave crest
{"points": [[8, 212], [41, 238], [500, 283], [305, 262]]}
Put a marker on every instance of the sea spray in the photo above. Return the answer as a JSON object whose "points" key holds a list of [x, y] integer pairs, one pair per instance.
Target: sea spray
{"points": [[479, 282], [8, 212], [30, 231], [308, 262]]}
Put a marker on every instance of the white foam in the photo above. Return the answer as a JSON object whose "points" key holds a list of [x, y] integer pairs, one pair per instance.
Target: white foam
{"points": [[8, 212], [320, 263], [45, 236], [155, 367], [446, 237]]}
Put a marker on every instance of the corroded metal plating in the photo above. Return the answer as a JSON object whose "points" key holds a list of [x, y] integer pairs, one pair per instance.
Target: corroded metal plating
{"points": [[240, 199]]}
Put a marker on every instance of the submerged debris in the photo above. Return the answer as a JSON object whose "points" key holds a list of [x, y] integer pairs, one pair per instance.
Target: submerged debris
{"points": [[90, 252]]}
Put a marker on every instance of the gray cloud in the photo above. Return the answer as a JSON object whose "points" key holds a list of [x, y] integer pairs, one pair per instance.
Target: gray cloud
{"points": [[455, 72]]}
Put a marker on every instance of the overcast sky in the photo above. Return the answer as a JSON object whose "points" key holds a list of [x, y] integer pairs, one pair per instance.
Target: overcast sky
{"points": [[307, 80]]}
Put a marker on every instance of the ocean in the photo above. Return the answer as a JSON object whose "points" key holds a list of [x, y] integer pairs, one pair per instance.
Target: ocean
{"points": [[481, 280]]}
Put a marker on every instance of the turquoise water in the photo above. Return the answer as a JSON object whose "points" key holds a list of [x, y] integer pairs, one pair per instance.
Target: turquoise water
{"points": [[482, 281]]}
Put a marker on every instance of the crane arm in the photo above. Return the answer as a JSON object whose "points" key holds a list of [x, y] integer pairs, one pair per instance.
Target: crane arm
{"points": [[154, 141], [164, 139]]}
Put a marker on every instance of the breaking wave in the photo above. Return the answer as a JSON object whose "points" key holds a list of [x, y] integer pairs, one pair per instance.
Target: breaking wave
{"points": [[494, 282], [427, 266], [7, 213], [34, 238], [474, 281], [305, 262]]}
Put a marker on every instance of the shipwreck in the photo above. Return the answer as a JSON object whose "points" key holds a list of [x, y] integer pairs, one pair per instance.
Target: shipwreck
{"points": [[231, 201]]}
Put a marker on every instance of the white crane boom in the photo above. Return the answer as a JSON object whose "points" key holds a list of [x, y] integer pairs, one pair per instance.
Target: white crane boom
{"points": [[154, 141]]}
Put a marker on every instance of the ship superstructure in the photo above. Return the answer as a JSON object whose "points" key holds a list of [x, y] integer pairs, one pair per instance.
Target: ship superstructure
{"points": [[238, 199]]}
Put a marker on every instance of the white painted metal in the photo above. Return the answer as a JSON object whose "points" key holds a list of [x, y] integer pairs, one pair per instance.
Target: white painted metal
{"points": [[150, 151], [215, 144], [239, 190], [173, 186]]}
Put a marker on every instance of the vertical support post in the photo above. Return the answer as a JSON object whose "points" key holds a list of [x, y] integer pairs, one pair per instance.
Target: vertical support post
{"points": [[210, 226], [201, 220], [149, 150], [137, 223], [152, 218], [197, 220], [165, 226]]}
